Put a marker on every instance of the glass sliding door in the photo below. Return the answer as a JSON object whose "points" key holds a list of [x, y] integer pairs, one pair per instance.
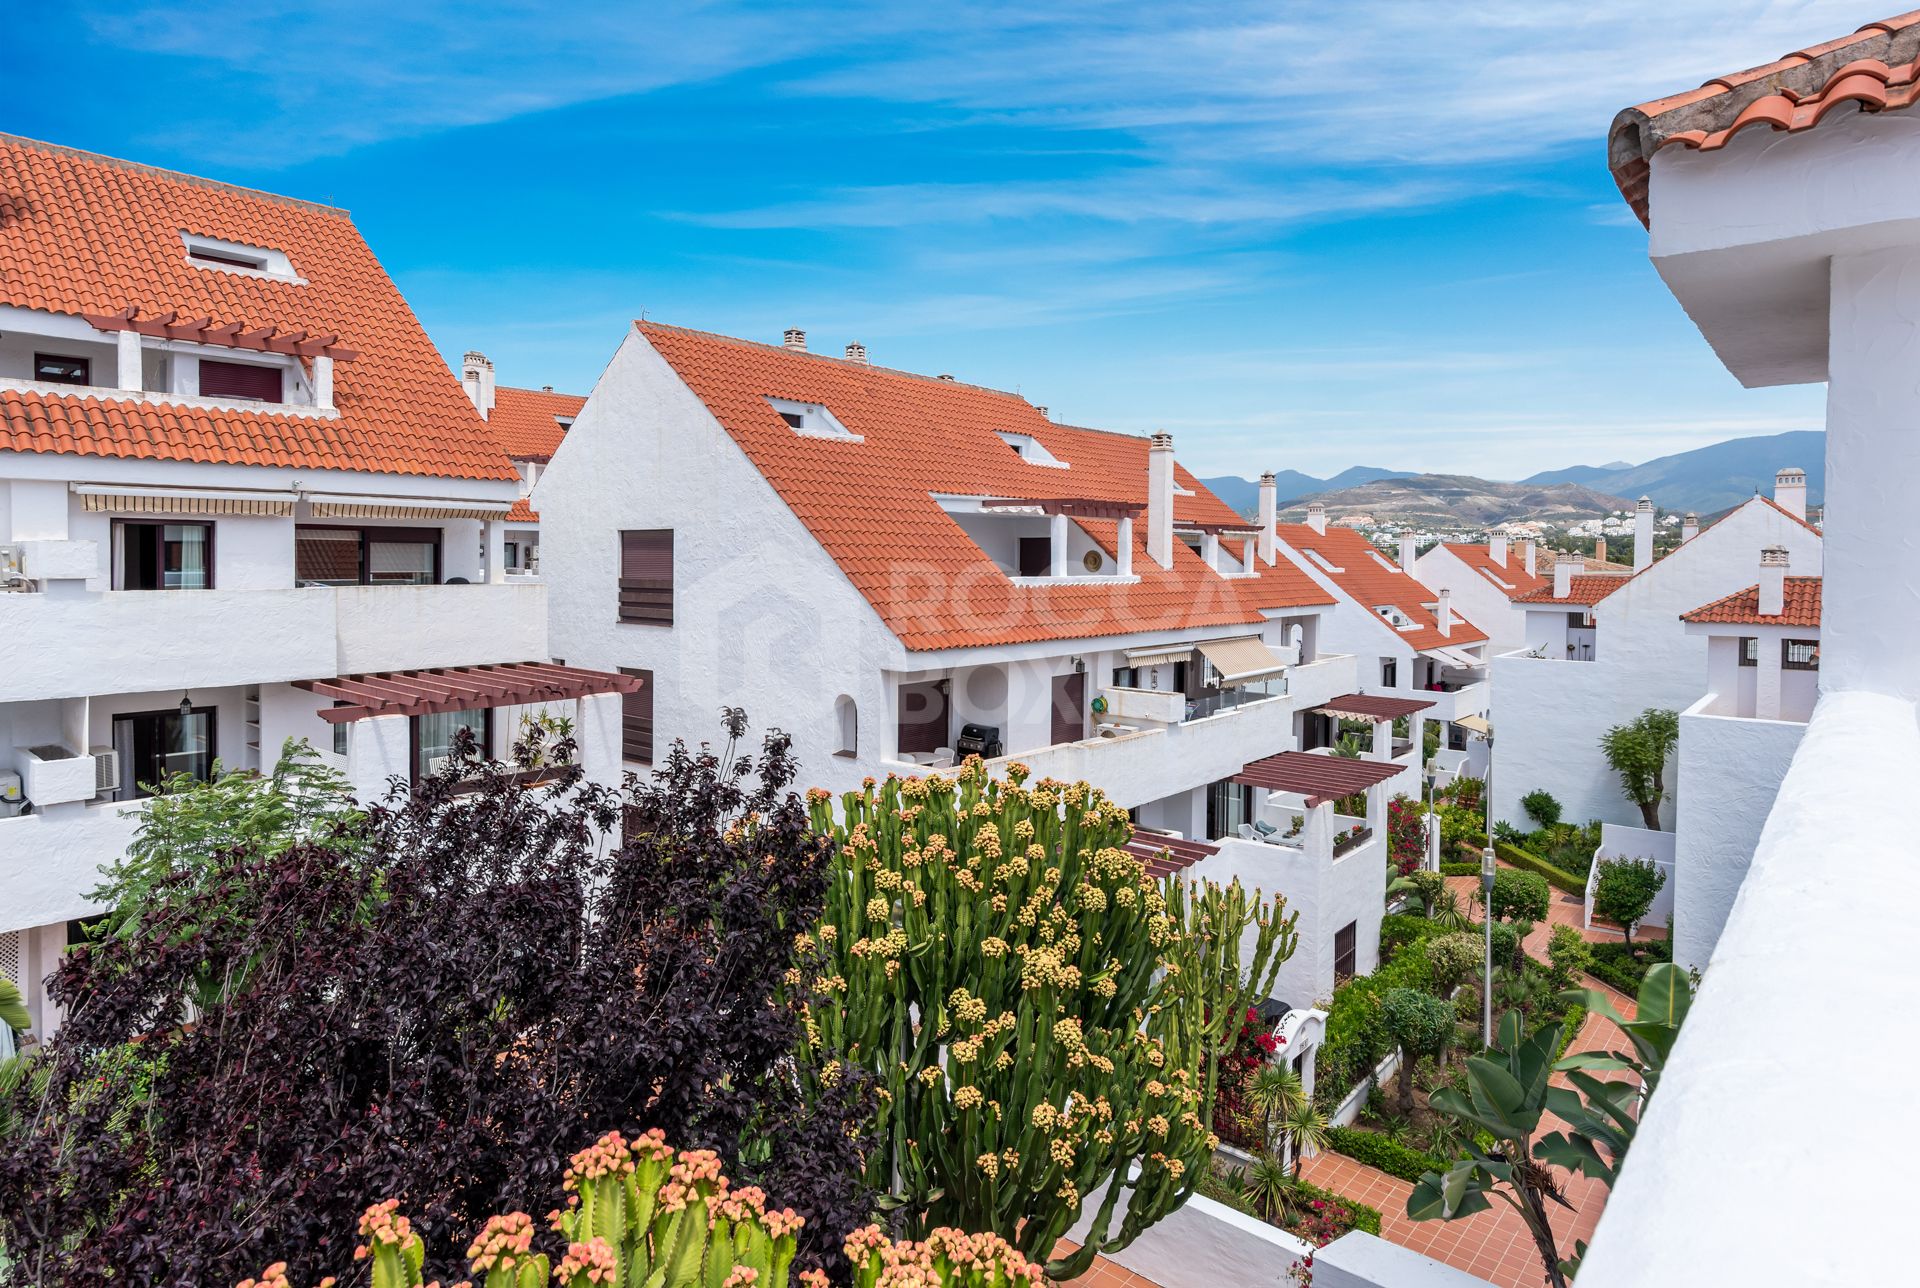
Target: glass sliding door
{"points": [[153, 746], [162, 556], [434, 735]]}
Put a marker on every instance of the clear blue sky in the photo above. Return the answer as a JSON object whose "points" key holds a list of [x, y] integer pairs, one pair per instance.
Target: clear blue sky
{"points": [[1297, 235]]}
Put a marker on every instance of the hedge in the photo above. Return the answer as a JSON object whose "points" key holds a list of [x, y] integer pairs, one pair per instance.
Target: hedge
{"points": [[1356, 1039], [1570, 1028], [1459, 869], [1527, 861], [1398, 929], [1377, 1151], [1620, 966]]}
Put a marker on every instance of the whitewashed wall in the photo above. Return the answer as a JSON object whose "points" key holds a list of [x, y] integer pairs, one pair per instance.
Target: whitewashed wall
{"points": [[1475, 598], [1201, 1244]]}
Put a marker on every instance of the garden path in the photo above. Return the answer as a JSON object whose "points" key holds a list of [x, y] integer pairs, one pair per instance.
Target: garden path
{"points": [[1104, 1273], [1565, 910]]}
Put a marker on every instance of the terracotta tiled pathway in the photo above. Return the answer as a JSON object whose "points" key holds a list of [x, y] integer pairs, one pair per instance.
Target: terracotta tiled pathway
{"points": [[1106, 1274], [1565, 910]]}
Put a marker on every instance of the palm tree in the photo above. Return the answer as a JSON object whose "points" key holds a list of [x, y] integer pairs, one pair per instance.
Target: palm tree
{"points": [[1275, 1093], [1306, 1129], [1268, 1189]]}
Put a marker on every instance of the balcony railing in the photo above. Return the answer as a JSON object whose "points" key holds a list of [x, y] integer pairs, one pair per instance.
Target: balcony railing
{"points": [[1212, 704]]}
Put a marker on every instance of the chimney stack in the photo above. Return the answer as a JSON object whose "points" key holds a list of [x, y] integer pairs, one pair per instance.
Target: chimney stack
{"points": [[1444, 612], [1497, 549], [946, 376], [1317, 517], [1160, 499], [1042, 409], [1564, 566], [1773, 581], [1643, 533], [1790, 491], [1269, 508], [795, 339], [1689, 527], [476, 377], [1527, 550], [1407, 549], [856, 352]]}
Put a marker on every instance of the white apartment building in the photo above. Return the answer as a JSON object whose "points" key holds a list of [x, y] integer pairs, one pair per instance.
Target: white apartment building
{"points": [[528, 424], [1485, 580], [900, 570], [1603, 647], [1412, 644], [1736, 742], [1783, 204], [241, 500]]}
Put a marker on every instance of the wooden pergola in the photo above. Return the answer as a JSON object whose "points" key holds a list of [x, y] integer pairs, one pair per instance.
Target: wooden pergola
{"points": [[460, 688]]}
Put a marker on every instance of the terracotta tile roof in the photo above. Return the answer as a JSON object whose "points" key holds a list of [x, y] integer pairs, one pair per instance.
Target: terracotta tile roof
{"points": [[870, 503], [1584, 589], [1801, 606], [1511, 578], [527, 421], [1878, 68], [523, 512], [1316, 777], [86, 234], [1368, 577]]}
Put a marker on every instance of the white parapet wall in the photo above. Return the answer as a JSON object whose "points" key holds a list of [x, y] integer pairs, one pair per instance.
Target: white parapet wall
{"points": [[1202, 1244], [1618, 841], [1360, 1260]]}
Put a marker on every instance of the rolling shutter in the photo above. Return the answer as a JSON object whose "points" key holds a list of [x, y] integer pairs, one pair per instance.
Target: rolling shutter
{"points": [[636, 719], [240, 380], [646, 576]]}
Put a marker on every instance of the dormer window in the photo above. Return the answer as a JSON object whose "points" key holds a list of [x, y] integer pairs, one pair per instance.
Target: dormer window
{"points": [[237, 257], [565, 422], [811, 420], [58, 369], [1384, 562], [1324, 562], [1030, 449], [1392, 616]]}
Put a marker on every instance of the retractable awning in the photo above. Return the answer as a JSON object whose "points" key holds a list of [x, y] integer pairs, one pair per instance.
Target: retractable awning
{"points": [[327, 505], [123, 498], [1242, 660], [1454, 657], [1474, 724], [1162, 655]]}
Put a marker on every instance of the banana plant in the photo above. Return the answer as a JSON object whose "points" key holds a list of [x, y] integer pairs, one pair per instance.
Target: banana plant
{"points": [[1039, 1016]]}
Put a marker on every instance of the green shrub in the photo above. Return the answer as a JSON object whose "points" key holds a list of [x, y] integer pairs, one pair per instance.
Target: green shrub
{"points": [[1623, 965], [1625, 891], [1570, 1028], [1356, 1038], [1530, 862], [1463, 870], [1365, 1218], [1398, 929], [1506, 941], [1455, 958], [1519, 896], [1541, 807], [1568, 953], [1376, 1150]]}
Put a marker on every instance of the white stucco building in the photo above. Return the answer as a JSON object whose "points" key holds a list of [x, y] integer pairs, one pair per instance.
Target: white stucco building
{"points": [[241, 500], [528, 424], [899, 570], [1603, 647], [1485, 580], [1784, 210]]}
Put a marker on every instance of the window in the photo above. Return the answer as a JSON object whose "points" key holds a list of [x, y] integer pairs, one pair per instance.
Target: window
{"points": [[1036, 556], [794, 419], [1800, 655], [226, 256], [328, 556], [847, 727], [150, 555], [646, 577], [240, 380], [1229, 804], [434, 736], [1749, 651], [636, 718], [155, 745], [1126, 677], [340, 739], [811, 420], [1343, 951], [57, 369], [1389, 673]]}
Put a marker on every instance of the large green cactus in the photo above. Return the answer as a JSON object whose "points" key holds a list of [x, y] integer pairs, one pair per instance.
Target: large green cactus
{"points": [[1042, 1017]]}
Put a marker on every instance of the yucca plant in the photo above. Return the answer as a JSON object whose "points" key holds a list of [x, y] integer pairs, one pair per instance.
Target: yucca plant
{"points": [[1040, 1016]]}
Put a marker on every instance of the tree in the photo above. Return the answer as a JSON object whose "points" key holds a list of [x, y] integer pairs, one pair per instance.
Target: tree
{"points": [[1042, 1018], [1422, 1025], [1307, 1132], [1454, 958], [1519, 896], [1638, 752], [435, 1003], [1625, 890], [1541, 807]]}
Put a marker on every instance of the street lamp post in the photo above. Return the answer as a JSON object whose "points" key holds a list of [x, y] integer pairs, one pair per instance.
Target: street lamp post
{"points": [[1486, 895]]}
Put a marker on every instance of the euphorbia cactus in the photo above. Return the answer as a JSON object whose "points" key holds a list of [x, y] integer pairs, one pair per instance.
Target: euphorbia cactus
{"points": [[1041, 1016], [952, 1258]]}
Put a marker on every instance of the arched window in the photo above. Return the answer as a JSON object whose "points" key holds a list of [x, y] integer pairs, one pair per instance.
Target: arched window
{"points": [[847, 726]]}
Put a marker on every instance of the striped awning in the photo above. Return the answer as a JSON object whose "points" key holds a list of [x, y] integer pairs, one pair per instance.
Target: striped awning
{"points": [[459, 688], [409, 509], [1162, 655], [1242, 660], [121, 499]]}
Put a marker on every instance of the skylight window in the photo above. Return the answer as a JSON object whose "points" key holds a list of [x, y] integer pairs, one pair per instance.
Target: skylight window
{"points": [[1030, 449], [1324, 562], [811, 420], [237, 257], [1384, 562]]}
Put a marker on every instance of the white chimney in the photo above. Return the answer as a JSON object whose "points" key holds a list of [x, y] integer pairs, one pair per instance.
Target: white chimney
{"points": [[1041, 408], [1268, 510], [1444, 613], [1564, 567], [856, 352], [476, 377], [1643, 533], [1160, 499], [1527, 550], [794, 339], [1790, 491], [1689, 527], [1407, 548], [1497, 549], [1773, 581], [1317, 517]]}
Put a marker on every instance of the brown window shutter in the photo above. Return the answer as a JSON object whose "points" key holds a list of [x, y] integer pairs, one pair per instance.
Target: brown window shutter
{"points": [[646, 576], [240, 380], [636, 718]]}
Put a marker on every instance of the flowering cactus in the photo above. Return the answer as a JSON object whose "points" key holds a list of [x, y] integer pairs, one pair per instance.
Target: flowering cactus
{"points": [[1040, 1015], [637, 1215], [952, 1258]]}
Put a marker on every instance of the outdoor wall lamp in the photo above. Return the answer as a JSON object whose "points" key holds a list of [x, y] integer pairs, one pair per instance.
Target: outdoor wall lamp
{"points": [[186, 707]]}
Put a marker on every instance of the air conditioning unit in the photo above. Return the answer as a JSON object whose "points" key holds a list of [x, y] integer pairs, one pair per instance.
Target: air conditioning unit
{"points": [[106, 770]]}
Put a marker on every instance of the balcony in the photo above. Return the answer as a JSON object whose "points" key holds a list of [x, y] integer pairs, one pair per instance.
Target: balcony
{"points": [[1326, 677], [48, 858], [138, 641], [1460, 700]]}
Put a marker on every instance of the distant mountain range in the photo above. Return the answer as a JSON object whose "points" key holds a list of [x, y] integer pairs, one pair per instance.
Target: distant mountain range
{"points": [[1421, 499], [1710, 479], [1244, 494], [1707, 479]]}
